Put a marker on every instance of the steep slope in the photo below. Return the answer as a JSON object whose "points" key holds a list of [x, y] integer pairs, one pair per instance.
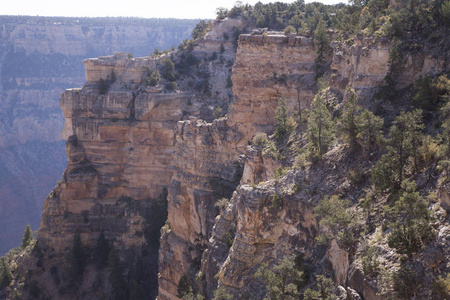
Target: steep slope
{"points": [[40, 58]]}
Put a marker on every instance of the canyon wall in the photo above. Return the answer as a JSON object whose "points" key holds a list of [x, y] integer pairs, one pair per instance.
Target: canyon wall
{"points": [[129, 145], [207, 166], [251, 229], [40, 58]]}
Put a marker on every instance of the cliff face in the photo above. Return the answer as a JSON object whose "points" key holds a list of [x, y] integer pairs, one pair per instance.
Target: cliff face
{"points": [[207, 166], [126, 145], [364, 64], [119, 145], [39, 59], [266, 68]]}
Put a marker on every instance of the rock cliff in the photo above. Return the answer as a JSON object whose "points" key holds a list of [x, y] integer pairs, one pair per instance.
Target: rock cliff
{"points": [[40, 58], [207, 166], [139, 153]]}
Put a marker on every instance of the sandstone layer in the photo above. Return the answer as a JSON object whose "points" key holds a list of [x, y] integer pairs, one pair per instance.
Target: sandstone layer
{"points": [[227, 211], [39, 58], [207, 166]]}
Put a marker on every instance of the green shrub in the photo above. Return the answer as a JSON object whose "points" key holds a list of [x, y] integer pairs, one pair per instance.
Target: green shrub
{"points": [[217, 113], [229, 238], [222, 203], [290, 29], [441, 288], [221, 294], [369, 260], [301, 160], [171, 86], [260, 139], [282, 280], [277, 201]]}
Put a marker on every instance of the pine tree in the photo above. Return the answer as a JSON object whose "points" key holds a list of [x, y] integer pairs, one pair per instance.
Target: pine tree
{"points": [[348, 122], [116, 276], [322, 291], [405, 139], [411, 221], [281, 119], [27, 237], [369, 129], [320, 127], [6, 275], [321, 43], [76, 260], [281, 282], [413, 125]]}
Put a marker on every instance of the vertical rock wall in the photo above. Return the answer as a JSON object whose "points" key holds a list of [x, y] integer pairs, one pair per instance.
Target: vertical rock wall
{"points": [[119, 147], [206, 165]]}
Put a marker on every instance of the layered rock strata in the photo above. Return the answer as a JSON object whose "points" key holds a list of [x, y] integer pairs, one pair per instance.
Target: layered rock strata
{"points": [[119, 145], [126, 145], [267, 68], [207, 167], [39, 58], [364, 64]]}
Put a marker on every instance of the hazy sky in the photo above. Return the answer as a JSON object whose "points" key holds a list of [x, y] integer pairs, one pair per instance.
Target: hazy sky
{"points": [[197, 9]]}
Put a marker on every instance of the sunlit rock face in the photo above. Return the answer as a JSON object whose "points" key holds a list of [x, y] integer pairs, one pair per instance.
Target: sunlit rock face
{"points": [[207, 166], [39, 58], [120, 145]]}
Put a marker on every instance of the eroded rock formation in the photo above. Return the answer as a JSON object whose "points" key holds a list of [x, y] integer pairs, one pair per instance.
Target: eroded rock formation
{"points": [[39, 58], [126, 145]]}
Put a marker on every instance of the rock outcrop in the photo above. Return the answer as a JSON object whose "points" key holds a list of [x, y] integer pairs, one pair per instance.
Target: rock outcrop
{"points": [[207, 166], [39, 58], [364, 64], [133, 149]]}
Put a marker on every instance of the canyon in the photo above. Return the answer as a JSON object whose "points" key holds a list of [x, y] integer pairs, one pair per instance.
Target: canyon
{"points": [[171, 174], [40, 58]]}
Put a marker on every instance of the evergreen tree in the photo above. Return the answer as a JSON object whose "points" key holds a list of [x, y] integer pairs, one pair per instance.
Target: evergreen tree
{"points": [[320, 127], [405, 138], [76, 260], [369, 129], [322, 45], [413, 125], [322, 291], [281, 119], [168, 69], [411, 221], [281, 282], [116, 276], [348, 122], [101, 251], [27, 237], [6, 275]]}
